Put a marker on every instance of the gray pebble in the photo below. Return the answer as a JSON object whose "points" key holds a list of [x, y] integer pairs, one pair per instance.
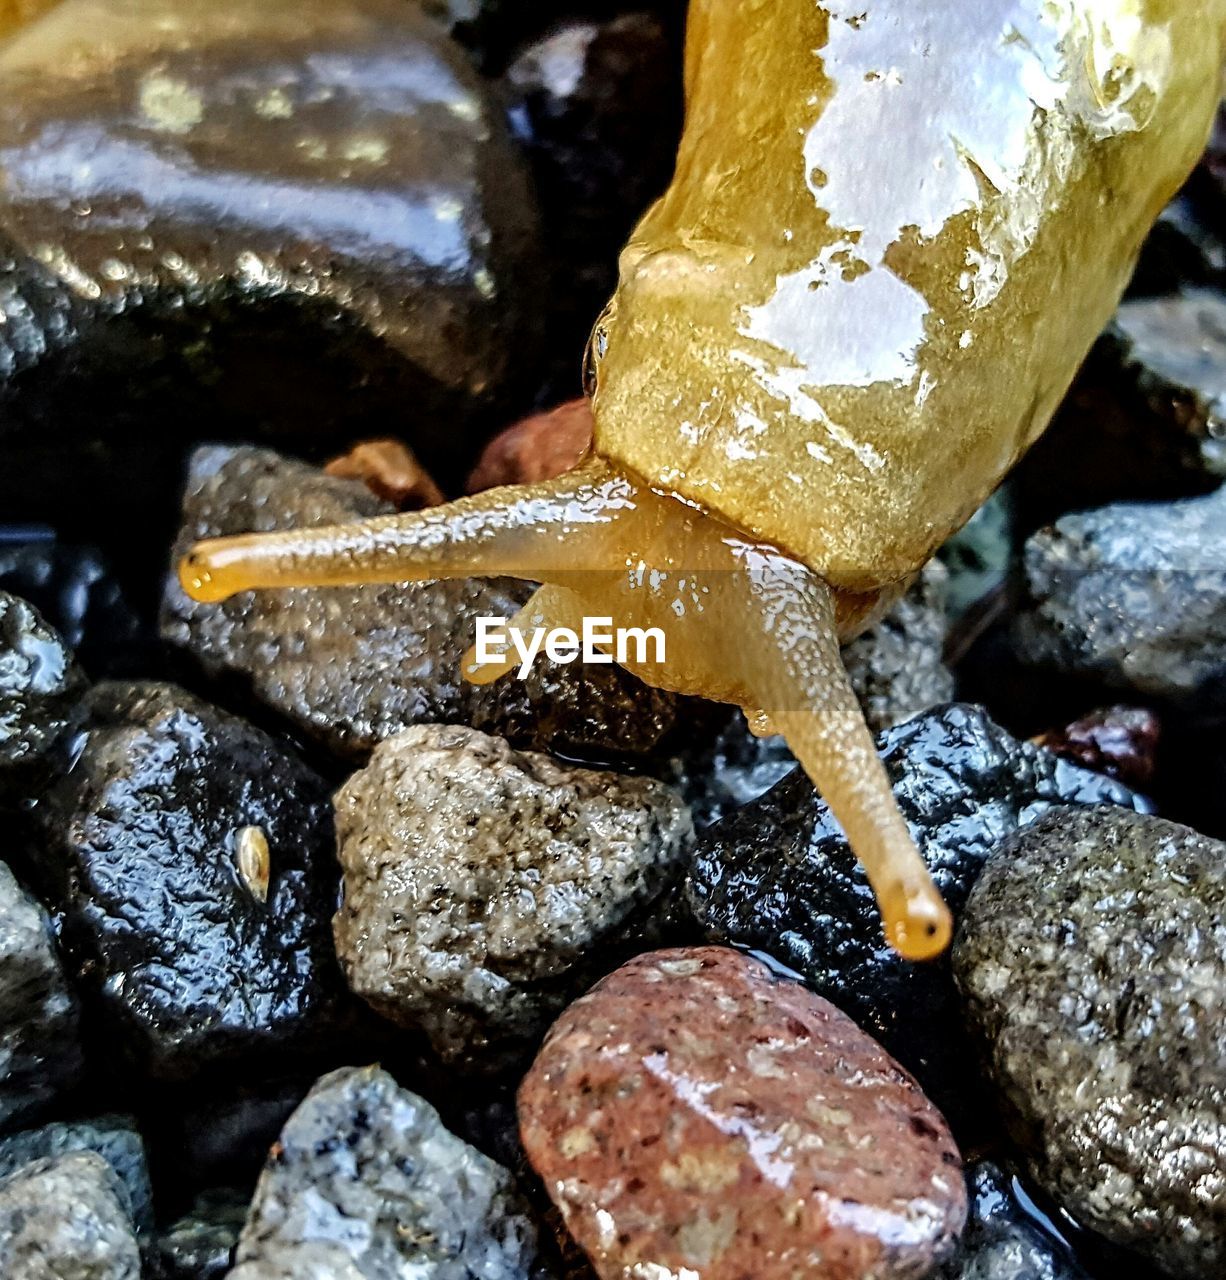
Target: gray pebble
{"points": [[39, 1050], [1092, 962], [485, 887], [66, 1218], [366, 1184]]}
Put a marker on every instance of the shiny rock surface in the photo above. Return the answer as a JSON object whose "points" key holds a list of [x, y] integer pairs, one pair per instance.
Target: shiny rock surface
{"points": [[694, 1115]]}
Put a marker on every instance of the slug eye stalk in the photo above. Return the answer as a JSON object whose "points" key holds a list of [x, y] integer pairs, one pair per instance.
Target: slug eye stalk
{"points": [[744, 623]]}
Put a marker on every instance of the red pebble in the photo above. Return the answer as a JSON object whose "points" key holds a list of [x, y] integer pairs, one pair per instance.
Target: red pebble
{"points": [[538, 448], [696, 1117]]}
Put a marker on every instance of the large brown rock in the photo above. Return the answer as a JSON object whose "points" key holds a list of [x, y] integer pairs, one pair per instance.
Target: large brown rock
{"points": [[696, 1115]]}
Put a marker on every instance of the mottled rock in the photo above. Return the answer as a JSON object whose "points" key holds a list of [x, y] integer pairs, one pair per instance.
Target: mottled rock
{"points": [[1092, 959], [39, 1050], [979, 555], [484, 887], [1118, 741], [200, 1245], [1146, 417], [40, 687], [352, 666], [115, 1138], [189, 965], [244, 223], [66, 1218], [778, 876], [1002, 1241], [694, 1113], [366, 1184], [1134, 597], [537, 448]]}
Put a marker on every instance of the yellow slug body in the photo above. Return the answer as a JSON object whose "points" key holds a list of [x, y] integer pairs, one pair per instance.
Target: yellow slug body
{"points": [[895, 228]]}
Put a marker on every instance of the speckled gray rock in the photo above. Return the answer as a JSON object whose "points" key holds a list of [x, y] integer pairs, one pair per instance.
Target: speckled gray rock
{"points": [[351, 666], [1133, 595], [1092, 961], [778, 876], [39, 1050], [484, 887], [200, 1245], [39, 687], [1002, 1241], [366, 1184], [115, 1138], [66, 1218]]}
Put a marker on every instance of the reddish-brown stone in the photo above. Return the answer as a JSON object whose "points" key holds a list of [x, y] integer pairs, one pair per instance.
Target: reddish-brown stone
{"points": [[538, 448], [696, 1117]]}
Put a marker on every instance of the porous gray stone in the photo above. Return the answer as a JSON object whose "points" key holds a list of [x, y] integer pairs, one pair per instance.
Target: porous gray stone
{"points": [[484, 887], [40, 1053], [66, 1218], [1092, 962], [367, 1184]]}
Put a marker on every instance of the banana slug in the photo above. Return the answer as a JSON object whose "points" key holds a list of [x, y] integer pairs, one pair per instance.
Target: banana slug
{"points": [[894, 230]]}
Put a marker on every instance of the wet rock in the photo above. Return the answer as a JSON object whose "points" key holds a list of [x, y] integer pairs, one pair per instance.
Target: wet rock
{"points": [[1118, 741], [1002, 1241], [366, 1183], [779, 877], [66, 1218], [1132, 596], [200, 1245], [234, 224], [188, 962], [391, 472], [40, 688], [1092, 959], [597, 107], [1146, 418], [352, 666], [695, 1113], [1184, 247], [538, 448], [734, 768], [978, 557], [484, 887], [39, 1050], [115, 1138]]}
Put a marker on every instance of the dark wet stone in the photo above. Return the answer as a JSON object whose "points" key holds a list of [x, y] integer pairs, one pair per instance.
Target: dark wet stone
{"points": [[66, 1218], [199, 1245], [115, 1138], [1119, 741], [40, 1054], [1132, 596], [1184, 247], [1146, 417], [597, 107], [484, 888], [366, 1183], [693, 1114], [1004, 1242], [733, 768], [40, 690], [979, 555], [245, 225], [352, 666], [779, 877], [191, 961], [1092, 961]]}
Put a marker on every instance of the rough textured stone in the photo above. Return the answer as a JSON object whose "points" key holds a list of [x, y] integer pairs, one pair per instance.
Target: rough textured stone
{"points": [[366, 1184], [693, 1113], [66, 1218], [1134, 596], [352, 666], [1118, 741], [779, 877], [484, 887], [40, 686], [115, 1138], [1092, 959], [1001, 1241], [200, 1245], [181, 955], [249, 223], [538, 448], [39, 1049]]}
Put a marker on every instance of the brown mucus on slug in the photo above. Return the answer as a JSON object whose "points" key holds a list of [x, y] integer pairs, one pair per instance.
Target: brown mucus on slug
{"points": [[811, 372]]}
